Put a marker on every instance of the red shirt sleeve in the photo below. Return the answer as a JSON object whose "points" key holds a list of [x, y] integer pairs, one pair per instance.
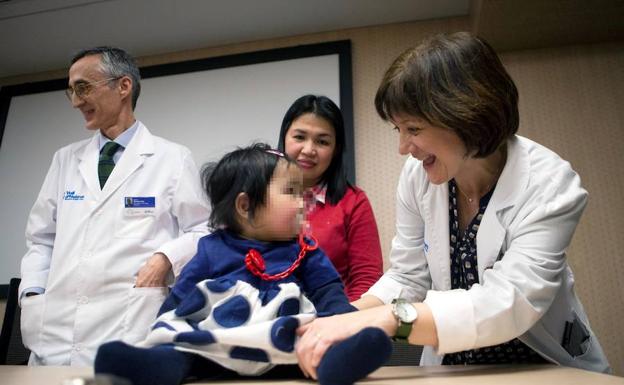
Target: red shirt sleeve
{"points": [[347, 233]]}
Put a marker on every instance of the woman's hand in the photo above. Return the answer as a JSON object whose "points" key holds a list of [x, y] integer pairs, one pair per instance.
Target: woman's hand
{"points": [[318, 335]]}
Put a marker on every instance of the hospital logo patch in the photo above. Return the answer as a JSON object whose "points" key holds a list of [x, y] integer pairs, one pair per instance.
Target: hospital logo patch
{"points": [[72, 196]]}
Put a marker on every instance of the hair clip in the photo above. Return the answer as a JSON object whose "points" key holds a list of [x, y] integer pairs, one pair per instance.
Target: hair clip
{"points": [[275, 152]]}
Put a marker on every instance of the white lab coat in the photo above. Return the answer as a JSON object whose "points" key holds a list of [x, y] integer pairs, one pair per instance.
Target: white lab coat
{"points": [[528, 293], [85, 248]]}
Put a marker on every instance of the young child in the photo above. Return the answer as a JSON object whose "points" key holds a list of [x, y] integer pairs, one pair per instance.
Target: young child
{"points": [[253, 281]]}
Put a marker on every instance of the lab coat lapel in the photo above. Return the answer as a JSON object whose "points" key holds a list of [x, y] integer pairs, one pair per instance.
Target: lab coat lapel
{"points": [[436, 210], [511, 184], [141, 145], [88, 157]]}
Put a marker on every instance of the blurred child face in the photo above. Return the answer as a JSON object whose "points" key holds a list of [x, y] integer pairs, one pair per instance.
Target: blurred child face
{"points": [[281, 217]]}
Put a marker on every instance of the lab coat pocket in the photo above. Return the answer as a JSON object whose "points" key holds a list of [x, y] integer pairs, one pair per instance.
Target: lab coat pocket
{"points": [[137, 227], [32, 321], [143, 305]]}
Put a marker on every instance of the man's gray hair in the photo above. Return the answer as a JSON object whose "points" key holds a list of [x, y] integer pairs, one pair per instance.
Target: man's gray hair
{"points": [[116, 63]]}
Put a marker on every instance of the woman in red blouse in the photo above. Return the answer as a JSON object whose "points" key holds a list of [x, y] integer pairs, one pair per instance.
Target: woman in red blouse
{"points": [[339, 214]]}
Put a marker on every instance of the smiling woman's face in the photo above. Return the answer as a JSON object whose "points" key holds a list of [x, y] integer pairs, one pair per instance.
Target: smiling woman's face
{"points": [[441, 151], [311, 141]]}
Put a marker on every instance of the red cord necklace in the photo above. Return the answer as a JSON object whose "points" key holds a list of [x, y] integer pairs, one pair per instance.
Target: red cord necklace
{"points": [[255, 262]]}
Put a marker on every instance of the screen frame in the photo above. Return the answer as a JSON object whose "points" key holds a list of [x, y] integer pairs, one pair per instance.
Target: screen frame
{"points": [[342, 48]]}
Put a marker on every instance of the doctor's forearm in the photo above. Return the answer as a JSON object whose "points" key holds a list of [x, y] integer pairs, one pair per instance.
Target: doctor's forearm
{"points": [[424, 330]]}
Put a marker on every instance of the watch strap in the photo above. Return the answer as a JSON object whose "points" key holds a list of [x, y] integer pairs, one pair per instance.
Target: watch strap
{"points": [[403, 331]]}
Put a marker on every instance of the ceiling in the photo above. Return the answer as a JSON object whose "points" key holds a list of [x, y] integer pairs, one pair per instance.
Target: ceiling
{"points": [[37, 36], [40, 35]]}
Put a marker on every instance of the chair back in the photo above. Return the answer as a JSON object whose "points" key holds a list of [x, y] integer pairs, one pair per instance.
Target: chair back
{"points": [[12, 351]]}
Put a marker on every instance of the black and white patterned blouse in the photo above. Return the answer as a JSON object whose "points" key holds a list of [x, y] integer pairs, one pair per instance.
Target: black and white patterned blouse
{"points": [[464, 274]]}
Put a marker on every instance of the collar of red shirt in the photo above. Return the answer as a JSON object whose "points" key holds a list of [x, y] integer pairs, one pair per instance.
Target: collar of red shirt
{"points": [[319, 193], [313, 196]]}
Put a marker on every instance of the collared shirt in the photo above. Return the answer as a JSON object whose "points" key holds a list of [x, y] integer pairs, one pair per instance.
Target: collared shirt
{"points": [[319, 193], [314, 195], [123, 140]]}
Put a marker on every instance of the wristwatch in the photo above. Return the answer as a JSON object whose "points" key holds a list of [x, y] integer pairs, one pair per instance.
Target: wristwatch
{"points": [[406, 314]]}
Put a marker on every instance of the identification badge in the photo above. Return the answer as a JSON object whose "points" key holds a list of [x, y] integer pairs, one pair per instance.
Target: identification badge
{"points": [[139, 206]]}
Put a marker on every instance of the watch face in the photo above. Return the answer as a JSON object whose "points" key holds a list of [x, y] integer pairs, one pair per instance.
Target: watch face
{"points": [[406, 312]]}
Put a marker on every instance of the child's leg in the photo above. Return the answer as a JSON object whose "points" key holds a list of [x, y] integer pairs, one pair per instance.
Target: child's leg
{"points": [[354, 358], [160, 365]]}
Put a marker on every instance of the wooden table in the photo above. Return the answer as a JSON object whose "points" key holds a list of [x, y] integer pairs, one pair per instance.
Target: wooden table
{"points": [[396, 375]]}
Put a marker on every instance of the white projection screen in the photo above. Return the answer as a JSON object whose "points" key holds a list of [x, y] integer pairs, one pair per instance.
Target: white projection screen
{"points": [[209, 105]]}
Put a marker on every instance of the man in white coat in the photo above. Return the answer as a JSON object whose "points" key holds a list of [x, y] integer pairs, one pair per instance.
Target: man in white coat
{"points": [[116, 215]]}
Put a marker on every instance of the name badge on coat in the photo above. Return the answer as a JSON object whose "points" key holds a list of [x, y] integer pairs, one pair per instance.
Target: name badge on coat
{"points": [[139, 206]]}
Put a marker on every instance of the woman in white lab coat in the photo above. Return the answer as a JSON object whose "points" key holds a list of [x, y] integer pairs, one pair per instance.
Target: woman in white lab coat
{"points": [[484, 217]]}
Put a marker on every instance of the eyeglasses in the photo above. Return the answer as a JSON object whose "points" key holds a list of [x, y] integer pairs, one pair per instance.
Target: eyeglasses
{"points": [[83, 89]]}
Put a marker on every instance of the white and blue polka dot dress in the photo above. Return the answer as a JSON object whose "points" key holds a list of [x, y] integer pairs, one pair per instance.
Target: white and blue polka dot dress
{"points": [[226, 314]]}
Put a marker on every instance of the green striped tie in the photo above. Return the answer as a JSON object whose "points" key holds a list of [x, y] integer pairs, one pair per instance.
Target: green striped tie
{"points": [[106, 163]]}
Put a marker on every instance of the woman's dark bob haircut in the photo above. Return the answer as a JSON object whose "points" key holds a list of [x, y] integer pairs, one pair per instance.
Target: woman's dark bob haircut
{"points": [[457, 82], [323, 107], [247, 170]]}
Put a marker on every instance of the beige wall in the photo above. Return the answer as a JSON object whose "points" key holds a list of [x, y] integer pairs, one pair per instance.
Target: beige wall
{"points": [[569, 100]]}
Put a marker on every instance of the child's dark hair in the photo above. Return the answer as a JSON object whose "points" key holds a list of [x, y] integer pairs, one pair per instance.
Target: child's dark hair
{"points": [[247, 170]]}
